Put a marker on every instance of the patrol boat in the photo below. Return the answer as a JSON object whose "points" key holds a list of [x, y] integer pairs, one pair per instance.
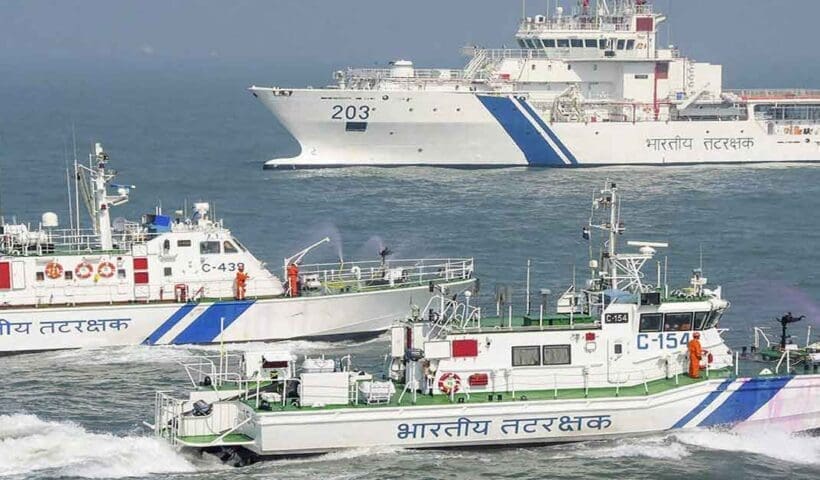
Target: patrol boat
{"points": [[610, 359], [582, 87], [181, 280]]}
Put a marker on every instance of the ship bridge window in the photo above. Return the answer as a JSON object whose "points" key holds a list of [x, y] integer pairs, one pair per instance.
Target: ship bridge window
{"points": [[577, 43], [700, 320], [531, 44], [229, 247], [239, 244], [209, 247], [526, 356], [521, 43], [677, 322], [714, 318], [563, 43], [591, 43], [651, 322], [621, 44], [557, 355], [549, 43], [630, 44]]}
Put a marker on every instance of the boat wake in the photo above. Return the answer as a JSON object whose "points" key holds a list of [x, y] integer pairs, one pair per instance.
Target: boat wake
{"points": [[29, 444], [779, 445]]}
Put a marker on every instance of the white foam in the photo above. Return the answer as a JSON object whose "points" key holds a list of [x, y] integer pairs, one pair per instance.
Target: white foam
{"points": [[770, 442], [663, 448], [30, 444]]}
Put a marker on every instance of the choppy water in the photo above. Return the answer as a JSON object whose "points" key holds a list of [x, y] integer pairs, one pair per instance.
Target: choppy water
{"points": [[195, 133]]}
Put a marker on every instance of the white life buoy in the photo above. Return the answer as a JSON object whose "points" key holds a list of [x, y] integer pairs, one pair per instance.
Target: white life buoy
{"points": [[356, 271]]}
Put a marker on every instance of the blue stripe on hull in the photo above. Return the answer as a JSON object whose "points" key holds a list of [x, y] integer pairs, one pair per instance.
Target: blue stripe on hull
{"points": [[536, 150], [549, 131], [169, 324], [703, 404], [206, 327], [745, 401]]}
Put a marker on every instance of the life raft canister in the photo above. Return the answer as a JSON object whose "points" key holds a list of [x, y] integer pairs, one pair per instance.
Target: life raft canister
{"points": [[54, 270], [449, 383], [83, 270], [106, 269]]}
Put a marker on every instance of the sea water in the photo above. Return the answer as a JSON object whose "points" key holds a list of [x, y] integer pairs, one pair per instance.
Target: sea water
{"points": [[193, 133]]}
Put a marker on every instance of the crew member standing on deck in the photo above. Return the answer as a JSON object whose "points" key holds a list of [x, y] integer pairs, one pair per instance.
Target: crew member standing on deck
{"points": [[695, 354], [241, 282]]}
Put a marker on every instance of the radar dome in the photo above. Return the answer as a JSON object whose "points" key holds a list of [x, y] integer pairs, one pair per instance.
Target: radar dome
{"points": [[50, 220]]}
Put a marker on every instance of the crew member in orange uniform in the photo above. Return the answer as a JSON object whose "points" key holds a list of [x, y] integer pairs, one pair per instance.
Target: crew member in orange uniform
{"points": [[695, 354], [293, 280], [241, 282]]}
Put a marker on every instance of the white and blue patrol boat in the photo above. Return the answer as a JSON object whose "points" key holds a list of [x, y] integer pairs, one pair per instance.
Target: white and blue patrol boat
{"points": [[180, 280], [588, 83], [609, 359]]}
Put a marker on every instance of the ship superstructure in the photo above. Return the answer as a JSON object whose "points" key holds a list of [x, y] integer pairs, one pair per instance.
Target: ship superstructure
{"points": [[584, 86], [178, 279]]}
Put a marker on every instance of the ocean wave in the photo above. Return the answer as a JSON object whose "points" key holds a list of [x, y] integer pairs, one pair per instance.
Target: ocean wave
{"points": [[30, 444], [773, 443]]}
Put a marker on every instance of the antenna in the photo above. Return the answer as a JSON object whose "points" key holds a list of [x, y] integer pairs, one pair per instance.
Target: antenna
{"points": [[68, 185], [701, 257], [76, 179]]}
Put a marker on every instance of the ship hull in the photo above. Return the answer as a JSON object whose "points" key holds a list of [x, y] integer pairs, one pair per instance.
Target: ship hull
{"points": [[473, 130], [158, 323], [783, 403]]}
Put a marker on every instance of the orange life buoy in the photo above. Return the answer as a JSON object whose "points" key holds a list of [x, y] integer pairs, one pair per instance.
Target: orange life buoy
{"points": [[54, 270], [106, 269], [449, 383], [83, 270]]}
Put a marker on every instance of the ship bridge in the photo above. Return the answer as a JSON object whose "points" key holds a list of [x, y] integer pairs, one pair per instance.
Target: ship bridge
{"points": [[608, 30]]}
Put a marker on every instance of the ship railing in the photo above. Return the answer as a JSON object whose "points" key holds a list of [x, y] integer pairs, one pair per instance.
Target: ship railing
{"points": [[375, 275], [447, 314], [22, 241], [168, 412], [213, 370], [444, 74], [572, 24], [775, 94]]}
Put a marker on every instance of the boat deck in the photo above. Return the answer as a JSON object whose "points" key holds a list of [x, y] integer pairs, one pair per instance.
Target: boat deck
{"points": [[642, 389], [530, 322], [206, 440]]}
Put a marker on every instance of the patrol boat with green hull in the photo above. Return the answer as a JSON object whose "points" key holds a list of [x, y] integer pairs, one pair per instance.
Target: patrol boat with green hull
{"points": [[610, 359]]}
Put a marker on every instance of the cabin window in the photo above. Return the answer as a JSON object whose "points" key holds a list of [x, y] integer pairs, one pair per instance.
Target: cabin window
{"points": [[183, 243], [630, 44], [562, 43], [651, 322], [121, 273], [641, 77], [618, 348], [714, 318], [166, 245], [40, 276], [521, 43], [68, 275], [591, 43], [526, 356], [549, 43], [207, 248], [539, 43], [677, 322], [167, 271], [228, 247], [531, 43], [557, 355], [700, 320], [577, 43], [239, 244], [602, 44], [621, 44]]}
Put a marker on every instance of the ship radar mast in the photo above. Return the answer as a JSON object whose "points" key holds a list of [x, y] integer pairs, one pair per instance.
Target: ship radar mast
{"points": [[93, 181], [616, 271]]}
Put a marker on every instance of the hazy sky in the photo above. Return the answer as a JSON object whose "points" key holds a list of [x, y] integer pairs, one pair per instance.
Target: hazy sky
{"points": [[754, 39]]}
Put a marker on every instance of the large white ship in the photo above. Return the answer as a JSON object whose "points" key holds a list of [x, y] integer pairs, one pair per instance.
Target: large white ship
{"points": [[585, 87], [183, 280]]}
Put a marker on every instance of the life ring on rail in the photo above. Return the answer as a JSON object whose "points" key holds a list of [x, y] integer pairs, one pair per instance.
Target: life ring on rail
{"points": [[83, 270], [54, 270], [106, 269], [449, 383], [356, 271]]}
